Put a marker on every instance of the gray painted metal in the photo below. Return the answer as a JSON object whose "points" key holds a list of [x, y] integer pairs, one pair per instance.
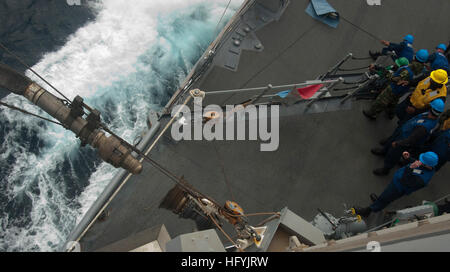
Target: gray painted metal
{"points": [[109, 190], [243, 37], [202, 241], [414, 212], [438, 242], [295, 226], [158, 234], [323, 159]]}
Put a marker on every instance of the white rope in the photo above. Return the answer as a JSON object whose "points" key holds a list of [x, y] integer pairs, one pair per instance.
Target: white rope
{"points": [[440, 199], [290, 86], [127, 177], [223, 14]]}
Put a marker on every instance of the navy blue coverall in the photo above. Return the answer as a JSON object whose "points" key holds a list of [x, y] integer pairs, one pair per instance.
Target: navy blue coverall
{"points": [[406, 180], [441, 146], [412, 133], [438, 61], [403, 49]]}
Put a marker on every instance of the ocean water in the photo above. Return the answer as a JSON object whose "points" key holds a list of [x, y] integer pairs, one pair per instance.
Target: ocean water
{"points": [[130, 59]]}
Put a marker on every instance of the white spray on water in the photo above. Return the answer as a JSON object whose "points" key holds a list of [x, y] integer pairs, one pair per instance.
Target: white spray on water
{"points": [[124, 63]]}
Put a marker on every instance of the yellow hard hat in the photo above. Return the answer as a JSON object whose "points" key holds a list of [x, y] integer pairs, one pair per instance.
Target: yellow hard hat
{"points": [[439, 76]]}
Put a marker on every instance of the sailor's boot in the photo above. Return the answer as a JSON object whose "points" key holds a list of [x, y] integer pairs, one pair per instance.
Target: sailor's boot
{"points": [[373, 197], [368, 114], [379, 151], [381, 171], [390, 113], [364, 212], [384, 141], [374, 55]]}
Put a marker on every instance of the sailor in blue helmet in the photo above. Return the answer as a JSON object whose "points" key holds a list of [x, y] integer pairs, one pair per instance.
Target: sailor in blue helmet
{"points": [[418, 63], [441, 146], [447, 52], [439, 141], [408, 179], [438, 60], [412, 134], [403, 49]]}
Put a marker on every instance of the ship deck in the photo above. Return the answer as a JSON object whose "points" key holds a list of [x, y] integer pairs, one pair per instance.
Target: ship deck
{"points": [[323, 159]]}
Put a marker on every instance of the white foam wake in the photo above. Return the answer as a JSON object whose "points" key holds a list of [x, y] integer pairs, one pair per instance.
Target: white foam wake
{"points": [[124, 63]]}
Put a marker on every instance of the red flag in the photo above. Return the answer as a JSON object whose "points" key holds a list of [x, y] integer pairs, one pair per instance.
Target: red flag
{"points": [[309, 91]]}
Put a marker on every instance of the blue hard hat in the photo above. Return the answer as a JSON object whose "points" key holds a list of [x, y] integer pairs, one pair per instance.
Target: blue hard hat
{"points": [[422, 55], [442, 46], [437, 106], [429, 158], [409, 38]]}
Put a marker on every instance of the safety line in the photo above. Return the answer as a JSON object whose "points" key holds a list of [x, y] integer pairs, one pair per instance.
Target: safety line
{"points": [[223, 14], [29, 113], [34, 72], [360, 28]]}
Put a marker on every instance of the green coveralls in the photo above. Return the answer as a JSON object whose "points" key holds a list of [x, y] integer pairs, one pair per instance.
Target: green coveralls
{"points": [[387, 100]]}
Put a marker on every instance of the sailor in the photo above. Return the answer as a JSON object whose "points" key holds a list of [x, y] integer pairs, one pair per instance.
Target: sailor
{"points": [[411, 134], [408, 179], [388, 98], [417, 65], [403, 49], [427, 90], [447, 52], [438, 60], [441, 146], [440, 140]]}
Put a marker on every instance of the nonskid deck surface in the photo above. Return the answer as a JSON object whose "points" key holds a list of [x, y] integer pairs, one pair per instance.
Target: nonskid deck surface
{"points": [[323, 159]]}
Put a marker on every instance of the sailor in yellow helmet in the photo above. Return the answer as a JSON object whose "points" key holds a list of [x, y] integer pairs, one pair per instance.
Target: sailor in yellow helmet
{"points": [[426, 91]]}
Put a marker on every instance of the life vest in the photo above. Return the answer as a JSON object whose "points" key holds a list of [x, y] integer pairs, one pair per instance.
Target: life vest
{"points": [[400, 90], [423, 95], [440, 62], [405, 182], [419, 120]]}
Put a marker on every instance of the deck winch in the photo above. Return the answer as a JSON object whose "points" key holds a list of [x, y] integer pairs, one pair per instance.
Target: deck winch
{"points": [[186, 202]]}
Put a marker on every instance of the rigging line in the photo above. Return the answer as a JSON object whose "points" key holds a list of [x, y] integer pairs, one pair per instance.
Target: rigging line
{"points": [[352, 69], [34, 72], [344, 89], [382, 225], [29, 113], [254, 214], [144, 156], [356, 82], [224, 233], [302, 35], [265, 221], [223, 14], [440, 199], [222, 166], [360, 28], [162, 169], [365, 58]]}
